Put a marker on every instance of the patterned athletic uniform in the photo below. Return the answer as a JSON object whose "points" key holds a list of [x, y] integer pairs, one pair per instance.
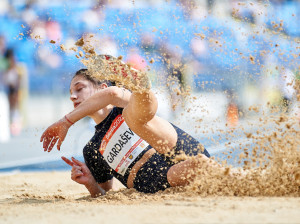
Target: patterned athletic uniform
{"points": [[114, 149]]}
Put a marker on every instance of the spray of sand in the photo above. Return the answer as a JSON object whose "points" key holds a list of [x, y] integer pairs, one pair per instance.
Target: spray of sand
{"points": [[270, 168], [107, 67]]}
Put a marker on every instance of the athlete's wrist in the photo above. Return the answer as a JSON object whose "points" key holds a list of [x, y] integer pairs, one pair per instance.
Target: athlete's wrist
{"points": [[94, 189], [67, 121]]}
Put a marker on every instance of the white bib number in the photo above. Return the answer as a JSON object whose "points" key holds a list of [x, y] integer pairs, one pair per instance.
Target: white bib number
{"points": [[120, 146]]}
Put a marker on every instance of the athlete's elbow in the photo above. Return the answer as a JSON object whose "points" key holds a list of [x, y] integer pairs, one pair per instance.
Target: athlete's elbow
{"points": [[116, 96], [111, 94], [114, 92]]}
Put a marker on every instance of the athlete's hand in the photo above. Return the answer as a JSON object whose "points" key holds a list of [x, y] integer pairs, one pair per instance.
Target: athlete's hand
{"points": [[80, 173], [56, 133]]}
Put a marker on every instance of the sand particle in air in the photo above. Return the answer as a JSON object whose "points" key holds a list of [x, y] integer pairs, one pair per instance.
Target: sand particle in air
{"points": [[80, 42]]}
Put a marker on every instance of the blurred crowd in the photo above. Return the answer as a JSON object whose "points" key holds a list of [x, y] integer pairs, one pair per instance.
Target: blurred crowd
{"points": [[210, 45]]}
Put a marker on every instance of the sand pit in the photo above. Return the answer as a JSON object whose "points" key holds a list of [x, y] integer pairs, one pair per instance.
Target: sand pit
{"points": [[269, 193], [53, 197]]}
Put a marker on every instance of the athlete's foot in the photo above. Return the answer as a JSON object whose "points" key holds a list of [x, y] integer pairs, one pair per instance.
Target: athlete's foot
{"points": [[106, 67]]}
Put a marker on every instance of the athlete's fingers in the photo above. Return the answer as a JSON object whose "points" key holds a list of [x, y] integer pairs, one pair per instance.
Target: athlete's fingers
{"points": [[76, 174], [44, 146], [67, 161], [46, 143], [59, 144], [75, 167], [46, 134], [76, 171], [43, 136], [53, 142], [78, 162]]}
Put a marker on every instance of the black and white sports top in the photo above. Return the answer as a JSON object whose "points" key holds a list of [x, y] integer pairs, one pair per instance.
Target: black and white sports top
{"points": [[114, 148]]}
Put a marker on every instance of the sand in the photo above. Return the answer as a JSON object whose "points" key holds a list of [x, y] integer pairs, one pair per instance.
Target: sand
{"points": [[50, 197], [270, 193], [274, 188]]}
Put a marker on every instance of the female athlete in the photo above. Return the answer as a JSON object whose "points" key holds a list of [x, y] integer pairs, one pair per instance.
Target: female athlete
{"points": [[130, 142]]}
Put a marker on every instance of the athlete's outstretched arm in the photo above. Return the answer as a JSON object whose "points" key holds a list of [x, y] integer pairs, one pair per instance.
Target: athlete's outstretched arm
{"points": [[57, 132], [109, 96]]}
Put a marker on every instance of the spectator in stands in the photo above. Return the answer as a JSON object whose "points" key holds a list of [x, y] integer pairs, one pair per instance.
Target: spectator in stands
{"points": [[12, 82], [2, 60]]}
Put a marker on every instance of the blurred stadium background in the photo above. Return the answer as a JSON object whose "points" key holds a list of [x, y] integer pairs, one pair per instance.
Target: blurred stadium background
{"points": [[232, 54]]}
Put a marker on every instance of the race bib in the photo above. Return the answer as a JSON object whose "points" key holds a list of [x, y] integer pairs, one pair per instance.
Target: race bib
{"points": [[120, 146]]}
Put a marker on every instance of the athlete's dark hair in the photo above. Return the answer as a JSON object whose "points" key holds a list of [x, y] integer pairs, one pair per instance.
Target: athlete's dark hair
{"points": [[84, 72]]}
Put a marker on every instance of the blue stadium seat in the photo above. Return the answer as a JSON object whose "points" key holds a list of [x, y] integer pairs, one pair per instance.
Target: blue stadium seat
{"points": [[11, 28], [290, 14], [25, 51]]}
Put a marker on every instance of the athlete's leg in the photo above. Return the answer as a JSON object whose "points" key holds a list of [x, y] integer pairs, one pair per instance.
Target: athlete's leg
{"points": [[185, 172], [139, 114]]}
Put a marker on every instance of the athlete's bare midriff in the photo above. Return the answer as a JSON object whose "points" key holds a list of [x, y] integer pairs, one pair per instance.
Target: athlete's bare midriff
{"points": [[138, 165]]}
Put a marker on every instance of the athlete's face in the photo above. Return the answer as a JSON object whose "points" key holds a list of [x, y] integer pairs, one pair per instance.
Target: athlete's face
{"points": [[81, 89]]}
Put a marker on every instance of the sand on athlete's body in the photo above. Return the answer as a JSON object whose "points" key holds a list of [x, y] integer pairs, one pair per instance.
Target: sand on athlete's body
{"points": [[52, 197]]}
